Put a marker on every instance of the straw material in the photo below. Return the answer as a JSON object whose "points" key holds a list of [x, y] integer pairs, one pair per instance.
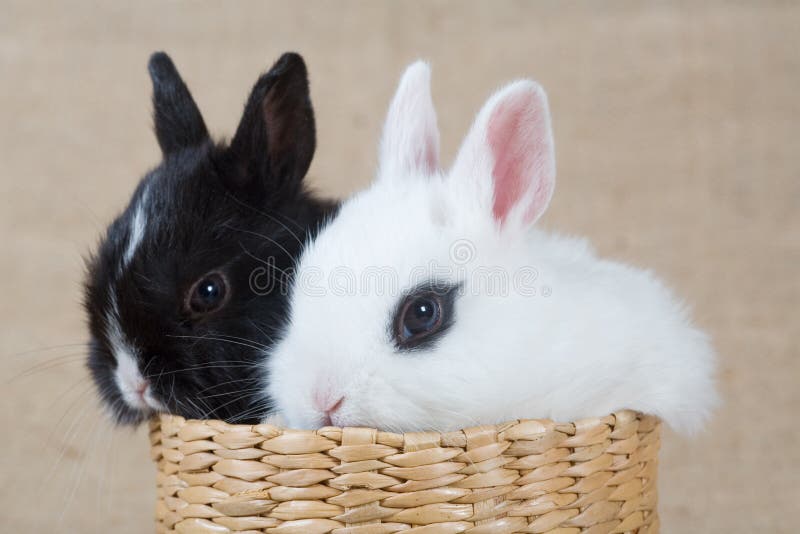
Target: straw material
{"points": [[595, 476]]}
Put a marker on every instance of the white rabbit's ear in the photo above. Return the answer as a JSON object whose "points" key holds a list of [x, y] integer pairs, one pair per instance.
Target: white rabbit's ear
{"points": [[410, 141], [511, 142]]}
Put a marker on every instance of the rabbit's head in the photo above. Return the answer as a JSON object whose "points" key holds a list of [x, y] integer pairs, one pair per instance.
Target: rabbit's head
{"points": [[392, 324], [186, 289]]}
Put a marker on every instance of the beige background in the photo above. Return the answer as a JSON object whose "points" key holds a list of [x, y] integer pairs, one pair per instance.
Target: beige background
{"points": [[677, 135]]}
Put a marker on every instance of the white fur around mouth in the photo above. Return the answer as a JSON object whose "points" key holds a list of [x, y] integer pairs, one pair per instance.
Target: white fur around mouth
{"points": [[146, 402], [127, 376]]}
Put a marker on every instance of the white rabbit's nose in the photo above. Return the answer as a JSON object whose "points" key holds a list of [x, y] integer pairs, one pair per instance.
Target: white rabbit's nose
{"points": [[331, 414], [326, 403]]}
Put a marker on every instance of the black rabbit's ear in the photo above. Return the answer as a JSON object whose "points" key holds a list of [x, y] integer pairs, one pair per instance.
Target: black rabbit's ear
{"points": [[276, 137], [178, 122]]}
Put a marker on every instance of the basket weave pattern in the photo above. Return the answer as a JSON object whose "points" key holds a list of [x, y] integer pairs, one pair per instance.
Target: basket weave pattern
{"points": [[595, 476]]}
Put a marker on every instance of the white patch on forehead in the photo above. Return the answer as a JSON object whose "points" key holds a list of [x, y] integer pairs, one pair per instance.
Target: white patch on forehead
{"points": [[127, 376], [136, 231]]}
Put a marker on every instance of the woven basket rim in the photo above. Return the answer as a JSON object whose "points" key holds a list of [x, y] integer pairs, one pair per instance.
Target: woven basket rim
{"points": [[569, 427], [593, 475]]}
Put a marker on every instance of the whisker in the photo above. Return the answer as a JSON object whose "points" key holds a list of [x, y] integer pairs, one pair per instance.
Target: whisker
{"points": [[172, 392], [215, 365], [232, 401], [265, 406], [101, 483], [270, 216], [286, 275], [147, 366], [269, 337], [70, 435], [80, 467], [203, 414], [45, 349], [78, 397], [235, 381], [81, 381], [262, 236], [243, 391], [212, 338], [48, 364], [243, 339]]}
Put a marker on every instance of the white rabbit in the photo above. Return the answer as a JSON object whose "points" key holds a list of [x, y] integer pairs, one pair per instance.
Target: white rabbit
{"points": [[436, 341]]}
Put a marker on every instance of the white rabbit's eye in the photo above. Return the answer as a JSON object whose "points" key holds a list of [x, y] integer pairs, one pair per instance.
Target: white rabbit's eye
{"points": [[422, 316], [207, 294]]}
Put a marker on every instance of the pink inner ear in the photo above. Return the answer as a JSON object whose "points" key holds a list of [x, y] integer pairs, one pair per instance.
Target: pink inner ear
{"points": [[517, 137], [428, 158]]}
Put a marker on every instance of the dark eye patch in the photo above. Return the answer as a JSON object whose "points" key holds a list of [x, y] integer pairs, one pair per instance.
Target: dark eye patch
{"points": [[424, 315]]}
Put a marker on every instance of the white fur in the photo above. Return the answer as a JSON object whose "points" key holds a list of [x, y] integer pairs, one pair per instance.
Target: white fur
{"points": [[606, 337], [411, 136], [136, 230], [127, 375]]}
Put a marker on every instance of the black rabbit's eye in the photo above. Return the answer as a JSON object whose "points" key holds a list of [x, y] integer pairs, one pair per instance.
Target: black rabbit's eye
{"points": [[422, 316], [208, 294]]}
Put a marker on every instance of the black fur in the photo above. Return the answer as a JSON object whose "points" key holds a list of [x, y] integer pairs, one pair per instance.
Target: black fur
{"points": [[239, 209], [178, 122]]}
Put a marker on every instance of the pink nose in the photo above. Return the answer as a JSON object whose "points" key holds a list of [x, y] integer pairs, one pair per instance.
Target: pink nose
{"points": [[334, 407], [328, 405], [141, 389]]}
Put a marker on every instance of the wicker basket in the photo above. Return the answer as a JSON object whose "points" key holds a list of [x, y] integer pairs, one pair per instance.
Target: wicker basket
{"points": [[592, 476]]}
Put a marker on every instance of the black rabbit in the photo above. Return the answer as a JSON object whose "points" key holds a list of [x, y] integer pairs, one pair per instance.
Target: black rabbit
{"points": [[186, 291]]}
